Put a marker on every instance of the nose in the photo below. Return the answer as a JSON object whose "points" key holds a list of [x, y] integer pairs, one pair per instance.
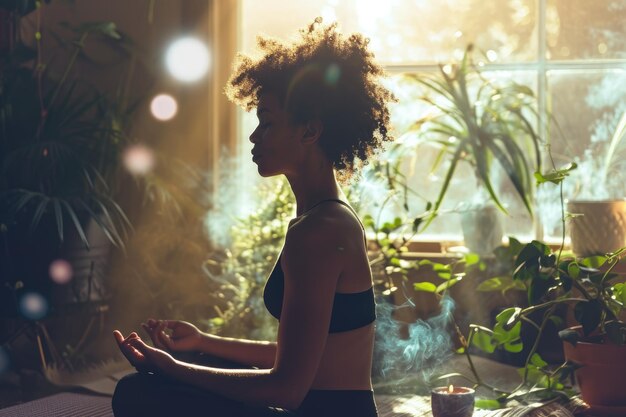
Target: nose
{"points": [[254, 136]]}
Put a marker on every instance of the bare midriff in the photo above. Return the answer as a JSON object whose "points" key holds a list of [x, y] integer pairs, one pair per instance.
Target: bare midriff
{"points": [[347, 361]]}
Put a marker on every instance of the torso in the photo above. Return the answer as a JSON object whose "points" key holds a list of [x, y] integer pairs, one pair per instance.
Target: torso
{"points": [[347, 359]]}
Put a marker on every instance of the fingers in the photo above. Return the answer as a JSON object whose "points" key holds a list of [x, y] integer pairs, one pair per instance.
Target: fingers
{"points": [[152, 333], [156, 331], [164, 338], [118, 336], [127, 347]]}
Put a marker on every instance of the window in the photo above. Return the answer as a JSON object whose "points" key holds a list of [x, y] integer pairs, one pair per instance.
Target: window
{"points": [[572, 53]]}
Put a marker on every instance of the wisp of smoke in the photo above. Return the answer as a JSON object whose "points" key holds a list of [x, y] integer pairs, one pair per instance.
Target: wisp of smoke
{"points": [[428, 346]]}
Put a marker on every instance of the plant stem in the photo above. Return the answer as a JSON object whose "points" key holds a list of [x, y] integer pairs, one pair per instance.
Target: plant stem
{"points": [[466, 344], [79, 45], [549, 303], [546, 317]]}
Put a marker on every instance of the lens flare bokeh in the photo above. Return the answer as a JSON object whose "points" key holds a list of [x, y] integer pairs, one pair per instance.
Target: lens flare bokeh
{"points": [[139, 159], [61, 271], [187, 59], [163, 107], [33, 306]]}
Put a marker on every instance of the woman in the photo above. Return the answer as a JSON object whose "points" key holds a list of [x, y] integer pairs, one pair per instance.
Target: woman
{"points": [[321, 111]]}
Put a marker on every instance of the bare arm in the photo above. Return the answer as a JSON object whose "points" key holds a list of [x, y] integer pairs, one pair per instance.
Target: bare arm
{"points": [[312, 265], [248, 352], [182, 336]]}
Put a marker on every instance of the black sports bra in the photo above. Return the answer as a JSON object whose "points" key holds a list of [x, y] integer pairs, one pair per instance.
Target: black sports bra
{"points": [[350, 310]]}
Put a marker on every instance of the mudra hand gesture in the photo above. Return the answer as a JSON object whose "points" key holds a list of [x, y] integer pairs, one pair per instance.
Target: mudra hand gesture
{"points": [[143, 357], [183, 337]]}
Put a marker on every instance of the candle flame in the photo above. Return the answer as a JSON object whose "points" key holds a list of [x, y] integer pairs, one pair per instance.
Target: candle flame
{"points": [[450, 389]]}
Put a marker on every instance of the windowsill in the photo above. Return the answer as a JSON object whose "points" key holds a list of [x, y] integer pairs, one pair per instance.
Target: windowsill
{"points": [[452, 248]]}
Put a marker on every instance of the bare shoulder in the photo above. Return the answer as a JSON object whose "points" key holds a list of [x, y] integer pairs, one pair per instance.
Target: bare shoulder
{"points": [[331, 225]]}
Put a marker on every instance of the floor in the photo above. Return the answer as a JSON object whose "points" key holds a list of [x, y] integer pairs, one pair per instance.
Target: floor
{"points": [[78, 396]]}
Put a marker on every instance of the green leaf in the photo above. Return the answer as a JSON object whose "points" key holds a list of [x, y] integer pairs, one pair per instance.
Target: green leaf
{"points": [[444, 275], [471, 259], [514, 347], [593, 261], [619, 291], [538, 361], [58, 213], [448, 284], [79, 228], [368, 221], [556, 176], [515, 245], [509, 316], [482, 339], [425, 286], [500, 284], [570, 336], [547, 261], [397, 222], [537, 289], [416, 223], [531, 253], [589, 314], [487, 404], [573, 270]]}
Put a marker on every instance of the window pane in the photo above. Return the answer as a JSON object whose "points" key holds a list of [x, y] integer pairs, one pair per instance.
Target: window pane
{"points": [[418, 157], [583, 29], [586, 107], [408, 31]]}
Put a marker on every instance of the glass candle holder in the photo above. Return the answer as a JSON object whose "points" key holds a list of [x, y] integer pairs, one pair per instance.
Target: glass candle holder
{"points": [[452, 401]]}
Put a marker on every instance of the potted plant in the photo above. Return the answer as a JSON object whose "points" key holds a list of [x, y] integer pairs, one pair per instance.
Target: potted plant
{"points": [[63, 139], [598, 225], [483, 123], [595, 348]]}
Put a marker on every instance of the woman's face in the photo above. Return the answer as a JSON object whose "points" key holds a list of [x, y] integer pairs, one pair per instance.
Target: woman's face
{"points": [[276, 142]]}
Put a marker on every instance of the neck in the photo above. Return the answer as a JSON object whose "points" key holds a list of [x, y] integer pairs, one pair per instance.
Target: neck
{"points": [[313, 185]]}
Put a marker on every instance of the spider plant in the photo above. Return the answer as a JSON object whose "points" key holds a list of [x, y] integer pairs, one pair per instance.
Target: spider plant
{"points": [[480, 121]]}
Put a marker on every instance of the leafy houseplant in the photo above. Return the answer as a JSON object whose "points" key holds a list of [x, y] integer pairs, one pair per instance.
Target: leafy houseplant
{"points": [[240, 272], [552, 279], [481, 122], [62, 139]]}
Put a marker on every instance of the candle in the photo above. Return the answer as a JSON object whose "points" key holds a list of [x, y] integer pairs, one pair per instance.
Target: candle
{"points": [[452, 401]]}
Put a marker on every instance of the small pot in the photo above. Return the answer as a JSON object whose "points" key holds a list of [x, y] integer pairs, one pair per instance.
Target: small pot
{"points": [[482, 229], [602, 377], [600, 230]]}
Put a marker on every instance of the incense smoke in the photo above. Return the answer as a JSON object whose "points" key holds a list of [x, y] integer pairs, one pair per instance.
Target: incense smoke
{"points": [[426, 348]]}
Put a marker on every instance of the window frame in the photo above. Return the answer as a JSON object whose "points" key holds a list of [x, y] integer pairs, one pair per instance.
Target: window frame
{"points": [[542, 66]]}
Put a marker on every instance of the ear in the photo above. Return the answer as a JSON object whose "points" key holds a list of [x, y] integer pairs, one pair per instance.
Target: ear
{"points": [[312, 131]]}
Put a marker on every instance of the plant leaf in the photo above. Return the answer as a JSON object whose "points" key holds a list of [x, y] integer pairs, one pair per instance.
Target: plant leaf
{"points": [[425, 286]]}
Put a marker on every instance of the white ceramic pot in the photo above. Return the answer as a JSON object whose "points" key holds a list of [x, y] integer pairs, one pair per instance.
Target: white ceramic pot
{"points": [[597, 227], [482, 229]]}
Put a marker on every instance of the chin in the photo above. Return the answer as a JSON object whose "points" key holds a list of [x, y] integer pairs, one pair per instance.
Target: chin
{"points": [[265, 173]]}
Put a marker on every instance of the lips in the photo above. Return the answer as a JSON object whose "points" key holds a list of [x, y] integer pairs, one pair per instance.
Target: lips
{"points": [[255, 155]]}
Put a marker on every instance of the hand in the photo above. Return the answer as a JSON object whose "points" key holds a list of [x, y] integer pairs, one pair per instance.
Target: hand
{"points": [[183, 337], [143, 357]]}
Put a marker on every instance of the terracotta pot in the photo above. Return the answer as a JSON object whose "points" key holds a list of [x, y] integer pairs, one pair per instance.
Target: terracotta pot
{"points": [[601, 229], [602, 378]]}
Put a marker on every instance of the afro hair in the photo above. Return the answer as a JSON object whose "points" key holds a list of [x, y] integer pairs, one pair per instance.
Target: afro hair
{"points": [[322, 75]]}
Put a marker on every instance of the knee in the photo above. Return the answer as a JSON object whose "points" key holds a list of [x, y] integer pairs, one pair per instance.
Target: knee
{"points": [[128, 392]]}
